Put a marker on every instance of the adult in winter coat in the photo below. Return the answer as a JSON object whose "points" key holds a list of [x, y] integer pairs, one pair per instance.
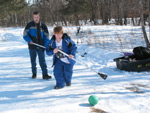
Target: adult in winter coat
{"points": [[63, 66], [37, 32]]}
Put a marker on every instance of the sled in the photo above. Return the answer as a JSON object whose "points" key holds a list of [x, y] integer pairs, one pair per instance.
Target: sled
{"points": [[129, 63]]}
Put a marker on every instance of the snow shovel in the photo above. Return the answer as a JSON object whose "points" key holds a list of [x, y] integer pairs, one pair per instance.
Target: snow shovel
{"points": [[104, 76]]}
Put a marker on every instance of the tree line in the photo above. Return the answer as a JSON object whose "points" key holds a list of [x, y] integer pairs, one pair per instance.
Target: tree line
{"points": [[73, 12]]}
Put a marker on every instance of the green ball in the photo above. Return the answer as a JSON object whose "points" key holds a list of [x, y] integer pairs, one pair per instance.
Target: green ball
{"points": [[93, 100]]}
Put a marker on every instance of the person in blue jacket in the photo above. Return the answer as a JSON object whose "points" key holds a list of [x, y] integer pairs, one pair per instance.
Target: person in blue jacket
{"points": [[63, 65], [37, 32]]}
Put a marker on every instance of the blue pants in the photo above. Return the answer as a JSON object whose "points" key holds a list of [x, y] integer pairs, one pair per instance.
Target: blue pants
{"points": [[63, 73], [42, 62]]}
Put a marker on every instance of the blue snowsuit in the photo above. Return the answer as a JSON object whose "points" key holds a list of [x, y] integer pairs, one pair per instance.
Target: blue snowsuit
{"points": [[62, 71]]}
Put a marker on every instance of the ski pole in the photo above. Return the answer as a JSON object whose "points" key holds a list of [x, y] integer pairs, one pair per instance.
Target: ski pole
{"points": [[104, 76]]}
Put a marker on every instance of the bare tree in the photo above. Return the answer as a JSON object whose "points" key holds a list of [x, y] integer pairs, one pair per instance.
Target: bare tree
{"points": [[142, 22], [149, 17]]}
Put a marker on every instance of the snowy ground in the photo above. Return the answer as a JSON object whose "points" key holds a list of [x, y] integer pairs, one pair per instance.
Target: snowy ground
{"points": [[121, 92]]}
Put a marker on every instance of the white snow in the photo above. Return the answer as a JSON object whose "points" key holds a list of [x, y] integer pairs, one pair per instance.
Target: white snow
{"points": [[117, 94]]}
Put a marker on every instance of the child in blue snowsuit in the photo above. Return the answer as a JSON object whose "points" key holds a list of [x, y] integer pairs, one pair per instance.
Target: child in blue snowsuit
{"points": [[63, 65]]}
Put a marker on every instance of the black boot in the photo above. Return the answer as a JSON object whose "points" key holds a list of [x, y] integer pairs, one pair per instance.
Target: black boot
{"points": [[56, 87], [68, 84], [46, 77], [33, 76]]}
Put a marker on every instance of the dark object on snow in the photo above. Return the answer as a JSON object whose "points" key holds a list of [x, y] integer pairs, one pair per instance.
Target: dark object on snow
{"points": [[141, 52], [84, 54], [33, 76], [46, 77], [104, 76], [140, 61], [56, 87], [68, 84], [131, 63], [78, 30]]}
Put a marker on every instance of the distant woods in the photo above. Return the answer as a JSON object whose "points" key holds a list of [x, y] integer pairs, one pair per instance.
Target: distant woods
{"points": [[74, 12]]}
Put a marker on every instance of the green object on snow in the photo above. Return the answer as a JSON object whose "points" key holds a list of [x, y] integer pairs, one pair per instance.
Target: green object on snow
{"points": [[93, 100]]}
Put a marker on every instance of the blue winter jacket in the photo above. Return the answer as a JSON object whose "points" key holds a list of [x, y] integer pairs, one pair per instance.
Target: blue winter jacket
{"points": [[30, 34], [66, 40]]}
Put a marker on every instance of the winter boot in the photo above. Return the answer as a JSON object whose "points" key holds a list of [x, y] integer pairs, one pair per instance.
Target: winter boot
{"points": [[33, 76], [68, 84], [46, 77], [56, 87]]}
